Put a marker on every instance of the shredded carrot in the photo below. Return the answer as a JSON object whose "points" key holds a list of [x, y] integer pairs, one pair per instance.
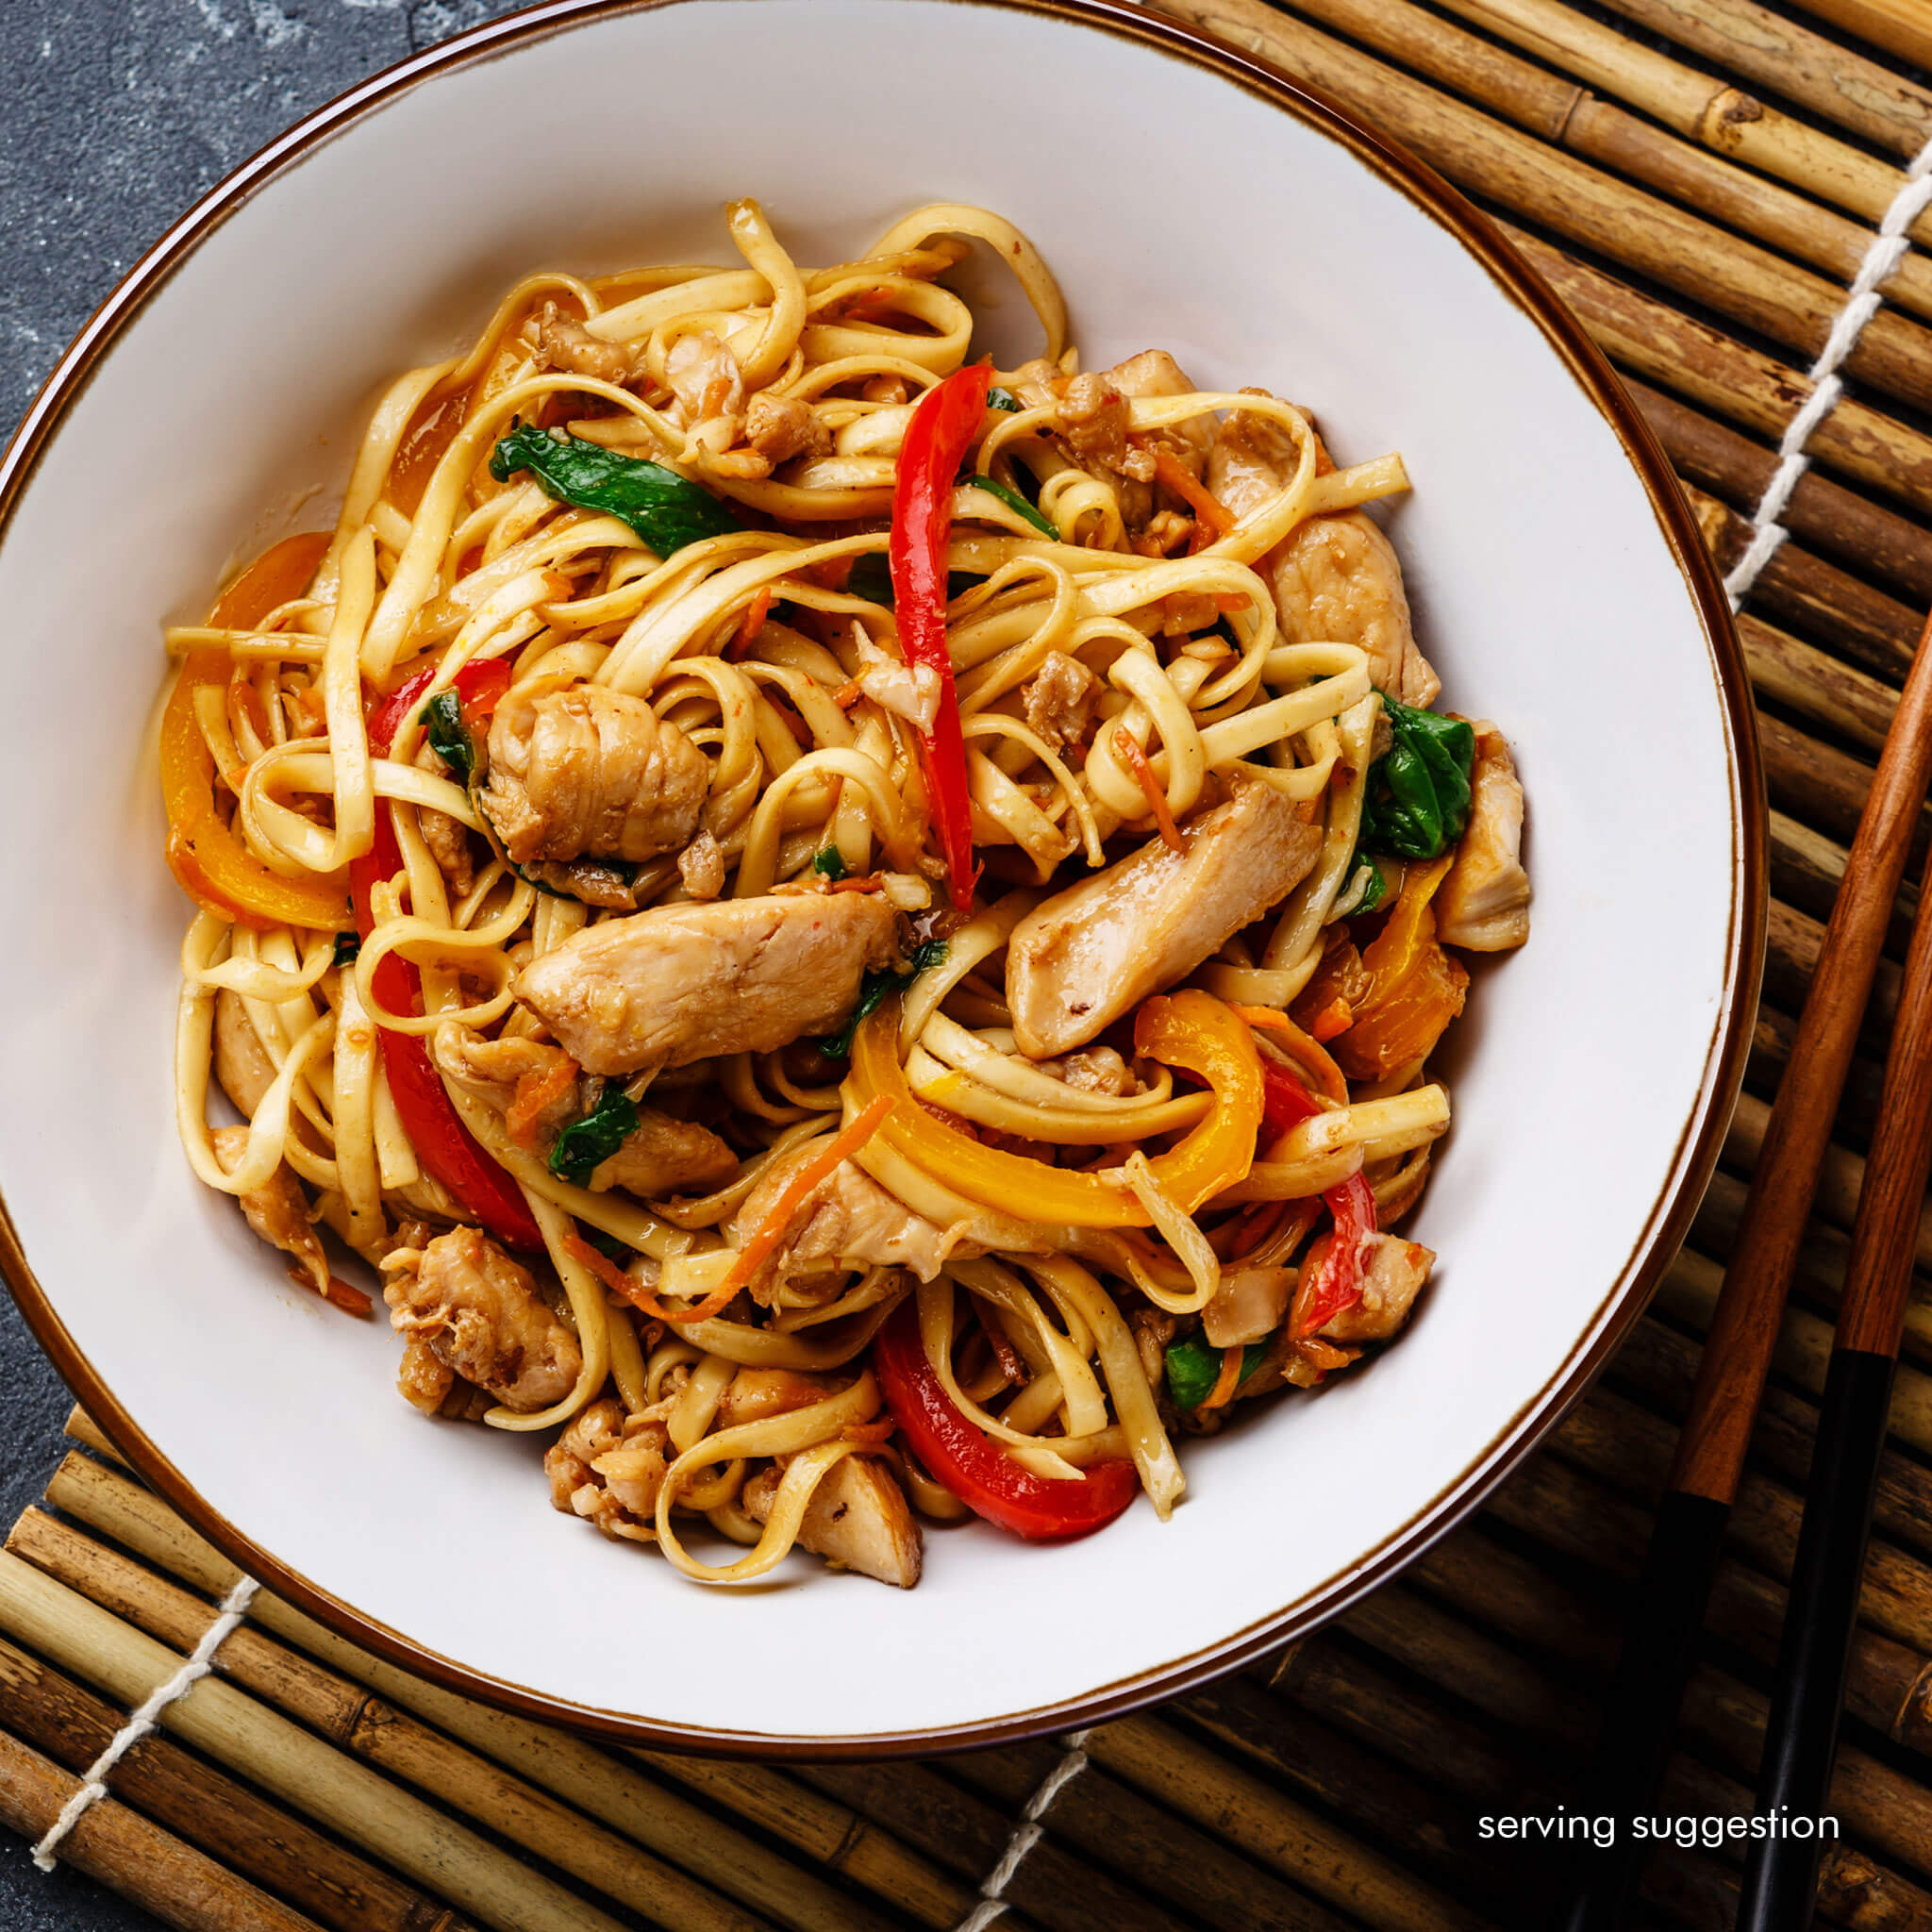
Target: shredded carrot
{"points": [[536, 1091], [634, 1291], [867, 882], [848, 694], [755, 614], [771, 1231], [869, 1433], [1134, 760], [1207, 508], [337, 1294], [1334, 1019], [1307, 1047], [717, 392], [247, 700], [1228, 1380]]}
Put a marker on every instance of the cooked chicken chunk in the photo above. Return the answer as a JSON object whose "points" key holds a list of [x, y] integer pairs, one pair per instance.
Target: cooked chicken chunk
{"points": [[755, 1393], [277, 1211], [1393, 1272], [590, 770], [781, 428], [480, 1315], [1060, 698], [707, 382], [242, 1067], [682, 983], [857, 1517], [701, 866], [1484, 902], [1248, 1304], [608, 1468], [536, 1088], [1098, 1070], [448, 840], [1080, 960], [847, 1220], [563, 343], [1336, 579], [1155, 373]]}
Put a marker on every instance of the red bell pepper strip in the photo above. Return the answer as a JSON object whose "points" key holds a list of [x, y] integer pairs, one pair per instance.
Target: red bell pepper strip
{"points": [[1337, 1283], [977, 1470], [445, 1147], [943, 424]]}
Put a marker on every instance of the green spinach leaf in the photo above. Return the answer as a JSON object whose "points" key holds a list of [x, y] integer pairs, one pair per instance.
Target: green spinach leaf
{"points": [[830, 863], [875, 988], [348, 946], [594, 1137], [666, 510], [1417, 801], [998, 398], [449, 737]]}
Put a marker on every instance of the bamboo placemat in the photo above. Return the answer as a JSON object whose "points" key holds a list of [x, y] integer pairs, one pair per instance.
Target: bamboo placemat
{"points": [[1702, 180]]}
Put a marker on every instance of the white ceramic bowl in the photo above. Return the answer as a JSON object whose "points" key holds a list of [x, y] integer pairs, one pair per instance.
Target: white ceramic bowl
{"points": [[1187, 197]]}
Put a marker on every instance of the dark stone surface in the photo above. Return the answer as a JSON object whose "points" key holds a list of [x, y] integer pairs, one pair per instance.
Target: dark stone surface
{"points": [[118, 115]]}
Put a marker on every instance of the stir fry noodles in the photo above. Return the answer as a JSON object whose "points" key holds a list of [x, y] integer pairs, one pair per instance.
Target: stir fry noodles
{"points": [[853, 936]]}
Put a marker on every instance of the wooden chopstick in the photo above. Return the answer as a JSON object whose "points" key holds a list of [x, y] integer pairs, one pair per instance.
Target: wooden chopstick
{"points": [[1668, 1610], [1801, 1736]]}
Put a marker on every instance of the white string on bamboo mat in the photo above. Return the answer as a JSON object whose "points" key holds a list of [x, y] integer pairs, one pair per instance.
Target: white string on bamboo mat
{"points": [[1887, 250], [1026, 1834], [93, 1787]]}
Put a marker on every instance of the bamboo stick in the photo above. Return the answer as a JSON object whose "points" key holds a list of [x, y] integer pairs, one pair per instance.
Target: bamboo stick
{"points": [[1723, 1715], [357, 1720], [1389, 1801], [1819, 784], [1559, 111], [832, 1834], [1792, 60], [1348, 1689], [961, 1830], [126, 1854], [1613, 1440], [1879, 541], [1185, 1778], [447, 1859], [1163, 1856], [83, 1428], [1698, 106], [1900, 27], [1756, 391], [1497, 1590], [1814, 683], [338, 1701], [1736, 277], [1806, 868], [175, 1790], [827, 1833], [1859, 625]]}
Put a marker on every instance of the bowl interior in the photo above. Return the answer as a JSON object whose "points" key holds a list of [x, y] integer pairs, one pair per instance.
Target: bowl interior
{"points": [[1178, 208]]}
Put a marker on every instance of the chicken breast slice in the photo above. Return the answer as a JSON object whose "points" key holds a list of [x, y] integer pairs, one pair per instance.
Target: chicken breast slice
{"points": [[857, 1517], [242, 1067], [1483, 906], [683, 983], [1337, 578], [590, 770], [1080, 960], [479, 1314]]}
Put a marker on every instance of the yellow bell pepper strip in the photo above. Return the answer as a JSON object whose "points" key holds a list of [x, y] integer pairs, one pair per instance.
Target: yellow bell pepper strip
{"points": [[1414, 990], [1188, 1029], [211, 865]]}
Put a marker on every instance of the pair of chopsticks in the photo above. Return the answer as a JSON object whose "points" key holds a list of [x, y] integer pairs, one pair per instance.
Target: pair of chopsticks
{"points": [[1821, 1613]]}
